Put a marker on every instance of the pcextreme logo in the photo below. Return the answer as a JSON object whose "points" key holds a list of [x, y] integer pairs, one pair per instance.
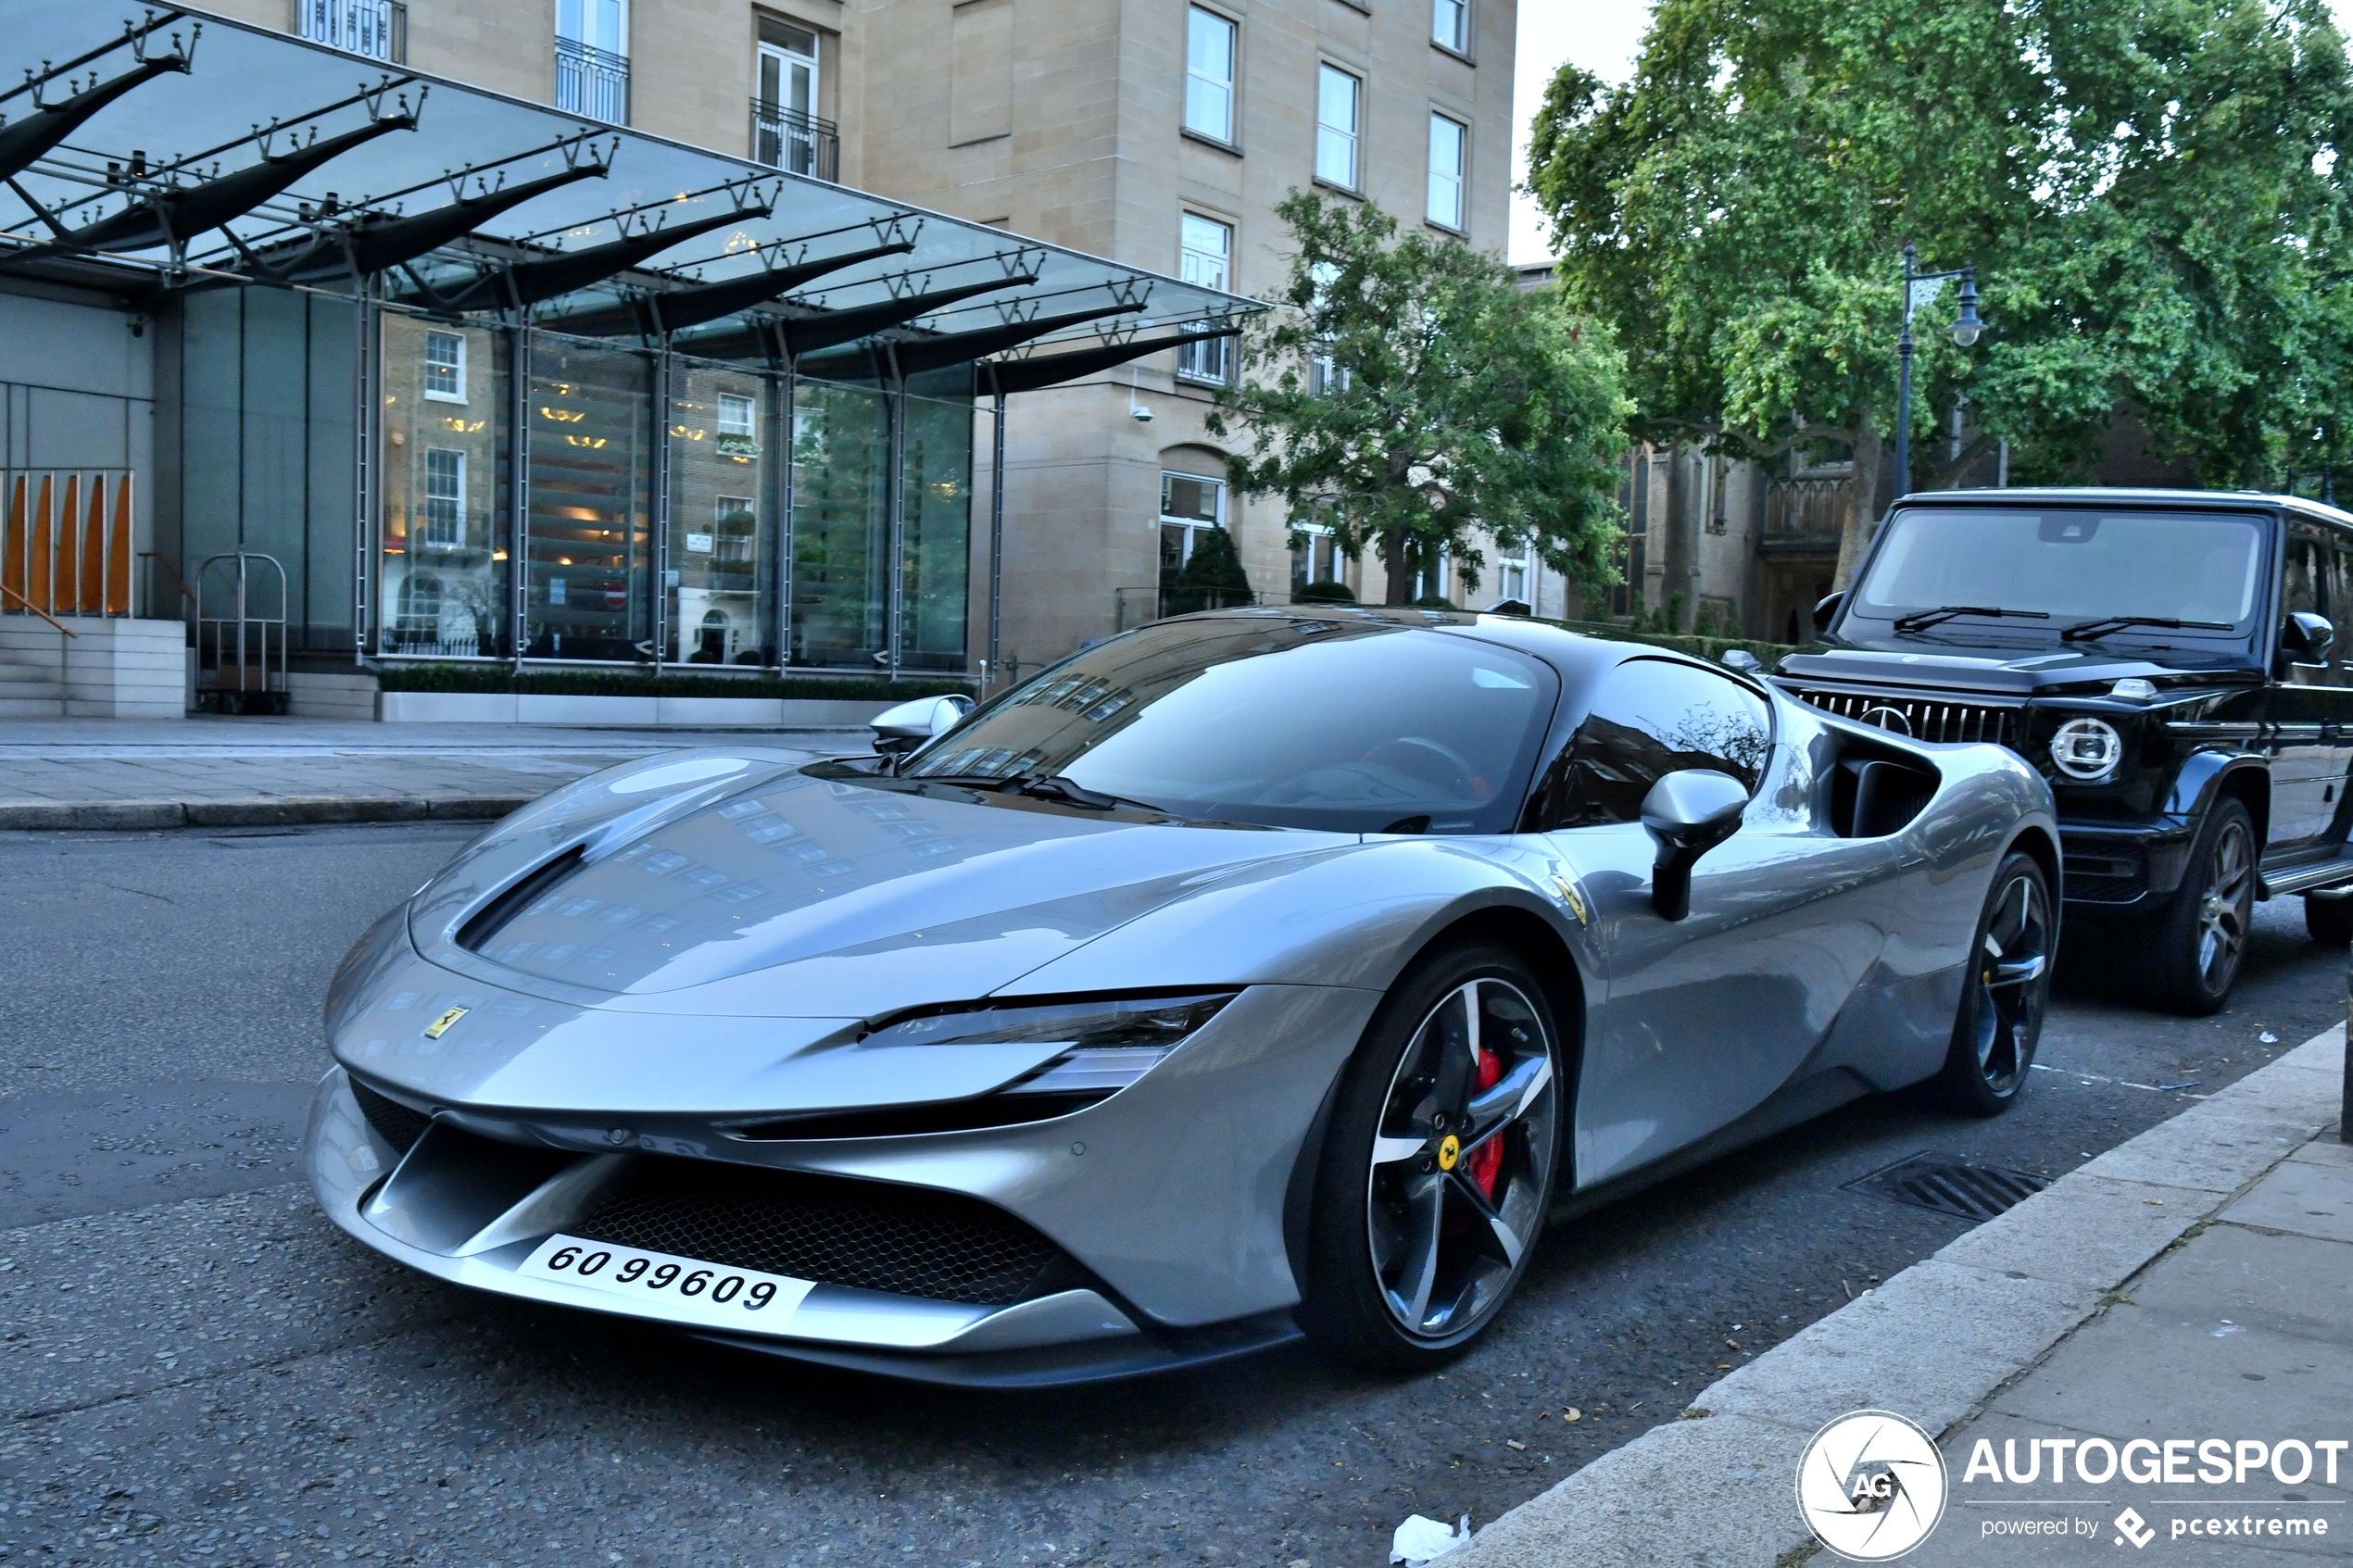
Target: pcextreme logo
{"points": [[1871, 1486]]}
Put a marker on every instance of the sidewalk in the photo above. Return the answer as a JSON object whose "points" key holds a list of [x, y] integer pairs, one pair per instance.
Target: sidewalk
{"points": [[2195, 1283], [209, 771]]}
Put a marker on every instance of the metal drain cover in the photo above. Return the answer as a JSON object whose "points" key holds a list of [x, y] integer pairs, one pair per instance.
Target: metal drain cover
{"points": [[1945, 1183]]}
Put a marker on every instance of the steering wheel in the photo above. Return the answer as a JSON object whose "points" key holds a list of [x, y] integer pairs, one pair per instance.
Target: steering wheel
{"points": [[1433, 761]]}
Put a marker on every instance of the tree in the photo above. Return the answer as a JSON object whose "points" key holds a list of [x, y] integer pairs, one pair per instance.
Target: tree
{"points": [[1406, 392], [2149, 190], [1213, 577]]}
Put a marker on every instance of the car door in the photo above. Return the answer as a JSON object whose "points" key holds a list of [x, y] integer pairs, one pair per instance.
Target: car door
{"points": [[1706, 1016], [2311, 730]]}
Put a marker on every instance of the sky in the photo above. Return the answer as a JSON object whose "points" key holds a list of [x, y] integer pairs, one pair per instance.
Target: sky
{"points": [[1602, 36]]}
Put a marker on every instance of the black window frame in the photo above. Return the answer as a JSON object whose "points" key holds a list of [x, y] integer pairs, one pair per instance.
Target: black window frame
{"points": [[1548, 801]]}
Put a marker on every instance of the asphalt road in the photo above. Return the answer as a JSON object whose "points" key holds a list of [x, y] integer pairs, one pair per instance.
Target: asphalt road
{"points": [[194, 1367]]}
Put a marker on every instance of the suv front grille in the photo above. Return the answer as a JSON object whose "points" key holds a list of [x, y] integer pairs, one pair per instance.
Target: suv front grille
{"points": [[1922, 717], [912, 1241]]}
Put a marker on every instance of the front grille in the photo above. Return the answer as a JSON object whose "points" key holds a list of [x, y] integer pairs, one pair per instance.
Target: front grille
{"points": [[394, 1122], [1944, 1183], [1922, 717], [2103, 880], [912, 1241]]}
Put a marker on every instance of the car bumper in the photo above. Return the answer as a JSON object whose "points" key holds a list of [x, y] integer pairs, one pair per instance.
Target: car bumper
{"points": [[2115, 870]]}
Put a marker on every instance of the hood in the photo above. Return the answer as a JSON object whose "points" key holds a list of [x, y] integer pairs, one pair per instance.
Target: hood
{"points": [[2024, 672], [782, 895]]}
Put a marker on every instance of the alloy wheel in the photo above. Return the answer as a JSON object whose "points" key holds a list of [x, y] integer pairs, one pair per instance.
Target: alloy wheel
{"points": [[1463, 1162], [2222, 909], [2010, 988]]}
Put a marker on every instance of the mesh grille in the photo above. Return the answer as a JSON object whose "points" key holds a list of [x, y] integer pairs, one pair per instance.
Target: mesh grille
{"points": [[1923, 719], [910, 1241], [394, 1122]]}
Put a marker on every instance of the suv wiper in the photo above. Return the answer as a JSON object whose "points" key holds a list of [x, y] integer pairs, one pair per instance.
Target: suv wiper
{"points": [[1922, 620], [2094, 630]]}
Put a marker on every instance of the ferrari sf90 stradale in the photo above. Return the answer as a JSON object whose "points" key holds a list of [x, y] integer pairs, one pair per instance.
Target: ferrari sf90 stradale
{"points": [[1250, 974]]}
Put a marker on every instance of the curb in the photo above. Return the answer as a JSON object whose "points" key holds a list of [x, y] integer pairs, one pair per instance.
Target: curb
{"points": [[254, 812], [1932, 1343]]}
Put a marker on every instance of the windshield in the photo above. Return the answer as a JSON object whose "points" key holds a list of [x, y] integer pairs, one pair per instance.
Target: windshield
{"points": [[1351, 726], [2074, 564]]}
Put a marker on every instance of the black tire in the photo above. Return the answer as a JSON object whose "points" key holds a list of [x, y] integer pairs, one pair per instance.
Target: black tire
{"points": [[2328, 922], [1999, 1022], [1419, 1234], [2198, 939]]}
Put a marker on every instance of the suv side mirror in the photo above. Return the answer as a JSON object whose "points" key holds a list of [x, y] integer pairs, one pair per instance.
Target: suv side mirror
{"points": [[2308, 638], [901, 729], [1687, 813], [1827, 611], [1743, 660]]}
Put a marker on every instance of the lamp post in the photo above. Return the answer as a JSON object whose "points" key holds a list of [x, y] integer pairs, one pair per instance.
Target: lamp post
{"points": [[1922, 288]]}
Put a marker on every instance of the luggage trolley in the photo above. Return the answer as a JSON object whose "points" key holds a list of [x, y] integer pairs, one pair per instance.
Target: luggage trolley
{"points": [[246, 649]]}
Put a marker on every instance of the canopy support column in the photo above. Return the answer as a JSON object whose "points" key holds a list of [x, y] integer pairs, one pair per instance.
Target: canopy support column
{"points": [[895, 410], [780, 410], [658, 557], [519, 491], [997, 540], [366, 550]]}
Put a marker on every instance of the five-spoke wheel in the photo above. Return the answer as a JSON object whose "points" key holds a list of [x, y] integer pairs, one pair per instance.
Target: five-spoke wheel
{"points": [[2199, 936], [2000, 1018]]}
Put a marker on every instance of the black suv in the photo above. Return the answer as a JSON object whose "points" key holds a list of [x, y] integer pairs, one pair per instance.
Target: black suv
{"points": [[2165, 658]]}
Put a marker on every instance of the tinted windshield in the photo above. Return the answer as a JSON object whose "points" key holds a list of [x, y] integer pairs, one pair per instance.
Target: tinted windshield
{"points": [[2072, 563], [1346, 725]]}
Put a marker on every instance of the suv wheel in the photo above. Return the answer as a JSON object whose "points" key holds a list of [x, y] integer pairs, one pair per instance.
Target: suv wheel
{"points": [[2200, 936], [2329, 920]]}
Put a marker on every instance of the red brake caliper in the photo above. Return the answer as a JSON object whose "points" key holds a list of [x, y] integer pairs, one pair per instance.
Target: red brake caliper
{"points": [[1488, 1159]]}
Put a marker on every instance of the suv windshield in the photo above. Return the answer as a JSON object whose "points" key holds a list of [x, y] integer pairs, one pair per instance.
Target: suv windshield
{"points": [[2072, 564], [1349, 725]]}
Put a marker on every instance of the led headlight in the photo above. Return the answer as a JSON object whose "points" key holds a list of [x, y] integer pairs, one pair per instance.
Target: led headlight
{"points": [[2087, 749], [1112, 1042]]}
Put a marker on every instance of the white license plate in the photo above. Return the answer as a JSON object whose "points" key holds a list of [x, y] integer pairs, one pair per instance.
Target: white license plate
{"points": [[675, 1287]]}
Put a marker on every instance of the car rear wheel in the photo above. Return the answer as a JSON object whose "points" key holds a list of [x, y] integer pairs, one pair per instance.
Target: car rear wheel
{"points": [[2329, 920], [2199, 938], [2000, 1022], [1438, 1163]]}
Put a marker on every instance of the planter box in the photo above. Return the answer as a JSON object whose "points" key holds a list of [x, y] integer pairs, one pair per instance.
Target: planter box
{"points": [[637, 712]]}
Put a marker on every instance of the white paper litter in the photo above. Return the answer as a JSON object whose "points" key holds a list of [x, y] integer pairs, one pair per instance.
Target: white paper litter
{"points": [[1418, 1540], [2269, 1038]]}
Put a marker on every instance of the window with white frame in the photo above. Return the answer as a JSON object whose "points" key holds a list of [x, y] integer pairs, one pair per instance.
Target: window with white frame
{"points": [[1446, 142], [1315, 556], [1323, 374], [1450, 24], [1208, 73], [1205, 252], [735, 414], [1190, 504], [445, 496], [1515, 576], [1338, 115], [1431, 582], [446, 367]]}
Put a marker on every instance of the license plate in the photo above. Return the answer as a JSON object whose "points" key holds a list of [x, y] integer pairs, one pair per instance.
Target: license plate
{"points": [[675, 1287]]}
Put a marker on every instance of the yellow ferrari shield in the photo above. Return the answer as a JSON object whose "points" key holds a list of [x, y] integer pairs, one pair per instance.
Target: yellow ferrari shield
{"points": [[1449, 1151], [440, 1026]]}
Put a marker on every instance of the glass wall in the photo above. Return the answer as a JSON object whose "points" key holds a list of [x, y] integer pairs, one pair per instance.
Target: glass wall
{"points": [[937, 480], [718, 580], [840, 528], [590, 531], [445, 449]]}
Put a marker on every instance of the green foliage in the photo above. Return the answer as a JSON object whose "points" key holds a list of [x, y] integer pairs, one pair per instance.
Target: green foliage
{"points": [[1406, 392], [1213, 577], [1325, 592], [497, 677], [2150, 191]]}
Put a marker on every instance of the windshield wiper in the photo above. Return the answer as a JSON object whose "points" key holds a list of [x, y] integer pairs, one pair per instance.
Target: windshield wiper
{"points": [[1042, 787], [1922, 620], [2094, 630]]}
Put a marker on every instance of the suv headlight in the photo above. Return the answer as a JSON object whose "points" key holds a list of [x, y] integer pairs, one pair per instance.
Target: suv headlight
{"points": [[2087, 749]]}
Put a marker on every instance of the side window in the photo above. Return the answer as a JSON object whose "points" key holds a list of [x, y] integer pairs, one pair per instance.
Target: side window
{"points": [[1652, 717], [2308, 572]]}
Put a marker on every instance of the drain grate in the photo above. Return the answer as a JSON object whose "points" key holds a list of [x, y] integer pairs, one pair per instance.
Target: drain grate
{"points": [[1945, 1183]]}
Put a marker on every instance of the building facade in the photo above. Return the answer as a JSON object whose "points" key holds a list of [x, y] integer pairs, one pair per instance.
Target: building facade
{"points": [[1156, 133]]}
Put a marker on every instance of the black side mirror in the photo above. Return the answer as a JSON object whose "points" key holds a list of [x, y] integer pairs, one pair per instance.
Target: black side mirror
{"points": [[1827, 611], [1687, 813], [2308, 638]]}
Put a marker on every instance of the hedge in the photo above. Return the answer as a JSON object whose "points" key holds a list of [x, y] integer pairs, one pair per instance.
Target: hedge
{"points": [[500, 678], [1711, 649]]}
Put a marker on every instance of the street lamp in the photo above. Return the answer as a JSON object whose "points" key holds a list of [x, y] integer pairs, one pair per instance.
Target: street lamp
{"points": [[1922, 288]]}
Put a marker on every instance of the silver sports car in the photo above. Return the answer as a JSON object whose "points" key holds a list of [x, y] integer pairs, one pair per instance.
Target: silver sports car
{"points": [[1247, 975]]}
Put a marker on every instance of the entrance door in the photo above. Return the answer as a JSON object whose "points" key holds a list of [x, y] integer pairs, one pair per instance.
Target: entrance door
{"points": [[786, 132], [2311, 728]]}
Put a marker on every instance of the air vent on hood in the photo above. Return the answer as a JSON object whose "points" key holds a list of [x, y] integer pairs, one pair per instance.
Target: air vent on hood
{"points": [[492, 918]]}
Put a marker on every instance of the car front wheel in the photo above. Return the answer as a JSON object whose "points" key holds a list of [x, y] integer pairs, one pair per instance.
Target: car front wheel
{"points": [[1438, 1163], [2200, 936]]}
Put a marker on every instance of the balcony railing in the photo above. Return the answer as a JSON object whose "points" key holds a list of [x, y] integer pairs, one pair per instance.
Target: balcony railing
{"points": [[377, 29], [1805, 516], [795, 143], [591, 82]]}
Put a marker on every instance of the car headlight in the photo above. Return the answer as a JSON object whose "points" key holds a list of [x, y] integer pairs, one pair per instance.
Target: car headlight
{"points": [[2087, 749], [1107, 1044]]}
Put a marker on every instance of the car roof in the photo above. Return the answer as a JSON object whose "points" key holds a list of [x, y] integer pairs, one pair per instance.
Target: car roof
{"points": [[2118, 496], [1579, 656]]}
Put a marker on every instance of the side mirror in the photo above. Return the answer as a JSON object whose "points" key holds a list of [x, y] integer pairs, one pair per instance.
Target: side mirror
{"points": [[901, 729], [2308, 638], [1827, 611], [1687, 813], [1743, 660]]}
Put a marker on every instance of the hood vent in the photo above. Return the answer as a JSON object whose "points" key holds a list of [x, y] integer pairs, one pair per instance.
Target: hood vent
{"points": [[492, 918]]}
